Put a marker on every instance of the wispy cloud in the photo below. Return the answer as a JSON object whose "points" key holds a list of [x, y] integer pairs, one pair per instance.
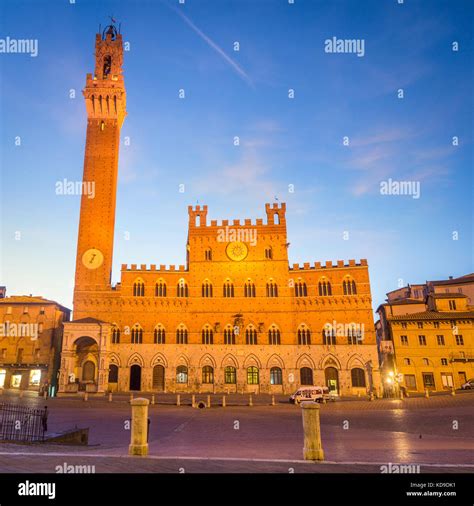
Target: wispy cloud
{"points": [[235, 66]]}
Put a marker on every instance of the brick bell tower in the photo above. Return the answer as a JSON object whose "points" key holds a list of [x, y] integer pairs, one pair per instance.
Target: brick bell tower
{"points": [[105, 99]]}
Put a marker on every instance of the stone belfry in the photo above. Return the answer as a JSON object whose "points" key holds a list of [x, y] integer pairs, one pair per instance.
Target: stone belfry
{"points": [[105, 99]]}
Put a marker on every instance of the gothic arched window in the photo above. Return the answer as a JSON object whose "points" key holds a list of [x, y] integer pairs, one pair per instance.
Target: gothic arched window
{"points": [[274, 335], [137, 334], [300, 289], [249, 289], [228, 288], [324, 288], [138, 288], [304, 335], [160, 289], [250, 335], [159, 334], [206, 289], [181, 335], [207, 335]]}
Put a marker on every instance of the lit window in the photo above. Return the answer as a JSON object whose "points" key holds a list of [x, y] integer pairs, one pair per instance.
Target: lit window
{"points": [[276, 377], [35, 377], [230, 375], [252, 375], [181, 374], [207, 374]]}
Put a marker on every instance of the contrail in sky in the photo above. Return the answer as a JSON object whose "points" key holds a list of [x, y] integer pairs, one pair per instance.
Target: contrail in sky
{"points": [[216, 48]]}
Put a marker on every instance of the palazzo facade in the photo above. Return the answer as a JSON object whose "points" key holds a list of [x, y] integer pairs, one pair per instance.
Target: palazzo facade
{"points": [[236, 317]]}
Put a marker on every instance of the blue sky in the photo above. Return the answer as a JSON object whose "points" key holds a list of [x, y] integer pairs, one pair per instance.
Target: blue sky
{"points": [[282, 141]]}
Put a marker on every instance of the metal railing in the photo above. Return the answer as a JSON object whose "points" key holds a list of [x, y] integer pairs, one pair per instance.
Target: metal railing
{"points": [[21, 423]]}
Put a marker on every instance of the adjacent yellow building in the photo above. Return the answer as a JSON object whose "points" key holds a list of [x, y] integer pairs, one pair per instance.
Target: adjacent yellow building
{"points": [[425, 336], [30, 342]]}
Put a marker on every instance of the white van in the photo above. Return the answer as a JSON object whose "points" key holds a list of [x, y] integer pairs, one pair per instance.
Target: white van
{"points": [[309, 393]]}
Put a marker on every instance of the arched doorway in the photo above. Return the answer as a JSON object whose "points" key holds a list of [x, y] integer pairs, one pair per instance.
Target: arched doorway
{"points": [[332, 379], [88, 371], [158, 378], [135, 377]]}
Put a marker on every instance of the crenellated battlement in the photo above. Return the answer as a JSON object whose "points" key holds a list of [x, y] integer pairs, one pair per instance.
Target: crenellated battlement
{"points": [[153, 268], [328, 265], [276, 216]]}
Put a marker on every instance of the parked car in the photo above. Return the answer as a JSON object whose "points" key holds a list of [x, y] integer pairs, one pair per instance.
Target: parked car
{"points": [[309, 393], [468, 385], [329, 395]]}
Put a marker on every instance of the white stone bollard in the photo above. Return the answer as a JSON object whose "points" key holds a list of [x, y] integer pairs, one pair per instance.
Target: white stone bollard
{"points": [[223, 401], [208, 401], [453, 391], [139, 429], [178, 400], [193, 401], [250, 400], [273, 400], [110, 396], [86, 396], [312, 449], [153, 399], [427, 393]]}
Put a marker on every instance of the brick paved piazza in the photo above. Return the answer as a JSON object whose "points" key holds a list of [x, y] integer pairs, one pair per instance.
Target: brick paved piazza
{"points": [[261, 438]]}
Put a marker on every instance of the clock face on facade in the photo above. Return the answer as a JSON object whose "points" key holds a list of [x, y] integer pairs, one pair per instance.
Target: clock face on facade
{"points": [[92, 258], [237, 251]]}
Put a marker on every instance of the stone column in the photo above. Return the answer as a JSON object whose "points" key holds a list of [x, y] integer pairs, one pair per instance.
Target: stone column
{"points": [[312, 449], [67, 367], [103, 372], [139, 429]]}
